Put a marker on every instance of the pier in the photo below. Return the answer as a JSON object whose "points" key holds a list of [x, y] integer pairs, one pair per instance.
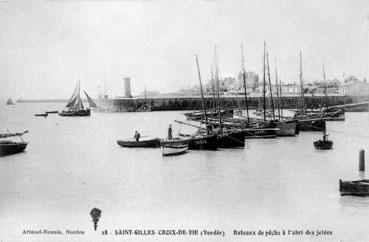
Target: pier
{"points": [[357, 103]]}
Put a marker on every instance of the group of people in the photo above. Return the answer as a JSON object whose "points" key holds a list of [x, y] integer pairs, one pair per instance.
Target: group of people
{"points": [[137, 135]]}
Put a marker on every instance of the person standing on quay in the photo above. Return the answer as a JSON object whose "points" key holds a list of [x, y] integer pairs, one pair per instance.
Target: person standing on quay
{"points": [[170, 137]]}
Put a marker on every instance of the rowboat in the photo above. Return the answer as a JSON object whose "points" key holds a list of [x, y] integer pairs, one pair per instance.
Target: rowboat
{"points": [[8, 147], [51, 112], [174, 149], [41, 115], [324, 144], [354, 188], [149, 143]]}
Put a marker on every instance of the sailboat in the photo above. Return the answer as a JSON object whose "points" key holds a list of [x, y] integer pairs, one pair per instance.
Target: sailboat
{"points": [[197, 141], [75, 107], [306, 122], [10, 102]]}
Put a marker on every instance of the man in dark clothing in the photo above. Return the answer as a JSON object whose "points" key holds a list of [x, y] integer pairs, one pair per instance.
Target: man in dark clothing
{"points": [[170, 137], [137, 136]]}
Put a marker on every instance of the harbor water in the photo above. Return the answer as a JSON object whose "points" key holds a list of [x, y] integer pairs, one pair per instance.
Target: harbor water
{"points": [[74, 164]]}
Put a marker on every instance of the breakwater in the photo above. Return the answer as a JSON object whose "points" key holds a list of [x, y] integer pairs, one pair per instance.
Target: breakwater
{"points": [[226, 102]]}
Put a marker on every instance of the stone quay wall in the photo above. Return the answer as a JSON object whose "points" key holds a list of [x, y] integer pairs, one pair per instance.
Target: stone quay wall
{"points": [[226, 102]]}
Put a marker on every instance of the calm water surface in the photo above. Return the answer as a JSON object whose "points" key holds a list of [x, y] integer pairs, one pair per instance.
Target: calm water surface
{"points": [[72, 165]]}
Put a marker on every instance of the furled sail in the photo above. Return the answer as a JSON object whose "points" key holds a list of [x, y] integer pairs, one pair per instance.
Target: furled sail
{"points": [[10, 101], [90, 101], [75, 102]]}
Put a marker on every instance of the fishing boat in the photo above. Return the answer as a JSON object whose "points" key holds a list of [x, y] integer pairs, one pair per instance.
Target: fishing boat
{"points": [[75, 107], [354, 188], [194, 142], [324, 144], [169, 150], [10, 102], [231, 139], [198, 141], [310, 124], [306, 122], [287, 128], [148, 143], [145, 107], [199, 115], [41, 115], [10, 147]]}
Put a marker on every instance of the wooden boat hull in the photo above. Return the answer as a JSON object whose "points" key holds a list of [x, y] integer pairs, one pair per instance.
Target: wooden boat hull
{"points": [[152, 143], [197, 116], [317, 124], [231, 139], [195, 143], [77, 113], [323, 145], [354, 188], [10, 147], [260, 133], [286, 128], [171, 150], [41, 115]]}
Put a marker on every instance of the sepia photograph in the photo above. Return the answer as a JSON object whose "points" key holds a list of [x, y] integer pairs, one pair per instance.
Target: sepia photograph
{"points": [[198, 120]]}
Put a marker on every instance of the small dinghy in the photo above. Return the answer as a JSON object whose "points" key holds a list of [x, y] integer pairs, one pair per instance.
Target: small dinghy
{"points": [[324, 144], [178, 149], [354, 188], [51, 112], [41, 115], [149, 143]]}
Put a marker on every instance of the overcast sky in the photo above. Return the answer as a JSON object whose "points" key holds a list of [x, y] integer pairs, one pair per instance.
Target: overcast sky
{"points": [[47, 46]]}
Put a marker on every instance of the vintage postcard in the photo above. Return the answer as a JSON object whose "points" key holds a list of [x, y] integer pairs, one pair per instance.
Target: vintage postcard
{"points": [[207, 120]]}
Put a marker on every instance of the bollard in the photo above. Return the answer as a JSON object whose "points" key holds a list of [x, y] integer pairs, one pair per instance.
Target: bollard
{"points": [[362, 160]]}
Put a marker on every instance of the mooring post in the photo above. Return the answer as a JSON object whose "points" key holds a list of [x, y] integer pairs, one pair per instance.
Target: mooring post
{"points": [[362, 160]]}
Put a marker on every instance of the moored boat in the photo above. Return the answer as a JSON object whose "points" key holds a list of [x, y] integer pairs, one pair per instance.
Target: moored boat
{"points": [[169, 150], [231, 139], [199, 115], [324, 144], [10, 147], [41, 115], [354, 188], [48, 112], [310, 124], [287, 128], [194, 142], [131, 143]]}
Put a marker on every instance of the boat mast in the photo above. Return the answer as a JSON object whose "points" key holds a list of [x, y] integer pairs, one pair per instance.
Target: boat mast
{"points": [[104, 85], [202, 95], [145, 95], [302, 98], [244, 84], [217, 82], [276, 85], [212, 87], [270, 88], [280, 96], [264, 107], [325, 89]]}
